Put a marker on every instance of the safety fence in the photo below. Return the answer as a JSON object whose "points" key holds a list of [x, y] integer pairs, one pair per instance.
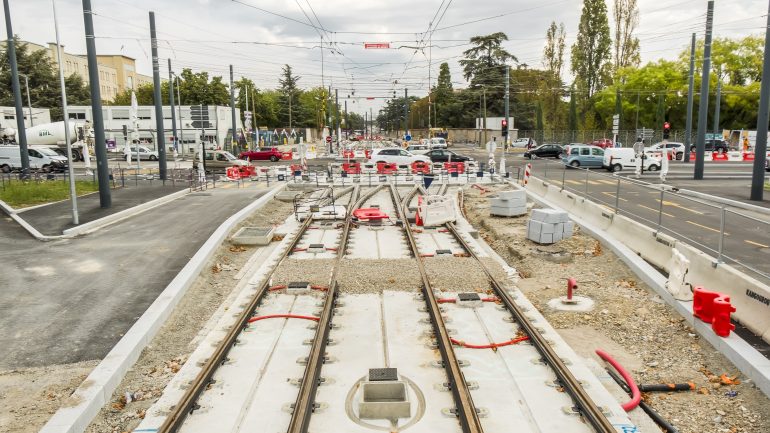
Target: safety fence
{"points": [[733, 236]]}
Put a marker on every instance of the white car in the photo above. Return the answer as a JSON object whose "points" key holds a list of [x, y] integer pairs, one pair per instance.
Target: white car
{"points": [[396, 156], [144, 153], [438, 143], [418, 149], [676, 148], [523, 142]]}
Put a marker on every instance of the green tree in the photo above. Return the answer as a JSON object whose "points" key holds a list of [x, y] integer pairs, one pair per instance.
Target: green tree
{"points": [[444, 96], [626, 17], [44, 86], [539, 127], [573, 120], [591, 51], [484, 66], [660, 112], [553, 60], [289, 101]]}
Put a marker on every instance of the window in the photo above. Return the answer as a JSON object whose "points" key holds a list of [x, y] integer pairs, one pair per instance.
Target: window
{"points": [[120, 114], [597, 152], [574, 151], [34, 153], [78, 116], [221, 157], [585, 151], [403, 153]]}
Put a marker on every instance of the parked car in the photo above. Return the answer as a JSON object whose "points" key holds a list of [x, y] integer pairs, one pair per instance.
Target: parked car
{"points": [[524, 142], [143, 153], [584, 156], [677, 149], [717, 145], [620, 158], [40, 158], [261, 154], [218, 160], [443, 155], [603, 143], [438, 143], [418, 149], [396, 156], [545, 151]]}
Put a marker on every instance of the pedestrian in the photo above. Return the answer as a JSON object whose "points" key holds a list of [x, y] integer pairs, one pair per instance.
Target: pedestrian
{"points": [[639, 155]]}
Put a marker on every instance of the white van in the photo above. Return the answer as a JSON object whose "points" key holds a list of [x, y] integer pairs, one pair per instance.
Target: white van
{"points": [[619, 158], [438, 143], [40, 158]]}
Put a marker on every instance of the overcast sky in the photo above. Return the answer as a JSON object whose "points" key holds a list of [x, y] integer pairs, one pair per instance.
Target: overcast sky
{"points": [[209, 35]]}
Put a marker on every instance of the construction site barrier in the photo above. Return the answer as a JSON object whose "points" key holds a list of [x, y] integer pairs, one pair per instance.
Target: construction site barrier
{"points": [[454, 167], [421, 167], [352, 167], [386, 168]]}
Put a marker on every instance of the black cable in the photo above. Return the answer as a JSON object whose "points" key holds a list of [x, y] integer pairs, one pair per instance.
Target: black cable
{"points": [[655, 416]]}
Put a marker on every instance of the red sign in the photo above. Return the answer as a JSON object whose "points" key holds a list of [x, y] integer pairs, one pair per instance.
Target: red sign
{"points": [[377, 46], [370, 99], [328, 138]]}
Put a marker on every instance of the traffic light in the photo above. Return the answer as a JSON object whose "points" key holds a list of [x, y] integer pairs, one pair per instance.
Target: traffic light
{"points": [[666, 129], [504, 127]]}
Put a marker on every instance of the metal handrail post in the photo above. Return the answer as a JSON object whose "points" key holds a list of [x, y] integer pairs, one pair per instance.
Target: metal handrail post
{"points": [[723, 214], [586, 192], [617, 197], [660, 210], [563, 176]]}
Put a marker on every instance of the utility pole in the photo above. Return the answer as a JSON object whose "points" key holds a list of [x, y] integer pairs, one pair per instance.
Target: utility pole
{"points": [[484, 95], [173, 113], [700, 144], [65, 115], [347, 125], [232, 111], [29, 101], [17, 93], [327, 102], [371, 121], [507, 102], [103, 175], [337, 116], [181, 126], [406, 112], [688, 121], [160, 130], [758, 174], [718, 103]]}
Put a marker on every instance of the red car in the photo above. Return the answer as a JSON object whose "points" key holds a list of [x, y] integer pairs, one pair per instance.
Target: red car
{"points": [[261, 154], [603, 143]]}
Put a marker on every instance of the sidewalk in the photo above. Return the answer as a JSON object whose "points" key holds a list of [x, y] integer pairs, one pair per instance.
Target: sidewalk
{"points": [[54, 218]]}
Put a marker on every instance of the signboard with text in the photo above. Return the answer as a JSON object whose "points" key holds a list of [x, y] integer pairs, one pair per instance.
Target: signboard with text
{"points": [[376, 45]]}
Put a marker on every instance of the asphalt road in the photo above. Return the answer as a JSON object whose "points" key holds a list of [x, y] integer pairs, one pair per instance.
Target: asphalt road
{"points": [[72, 300]]}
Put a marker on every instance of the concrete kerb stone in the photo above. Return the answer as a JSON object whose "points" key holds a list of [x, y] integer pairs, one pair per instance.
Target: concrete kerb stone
{"points": [[97, 388], [747, 359]]}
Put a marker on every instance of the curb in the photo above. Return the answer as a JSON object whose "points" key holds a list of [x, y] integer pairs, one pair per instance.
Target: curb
{"points": [[98, 387], [747, 359], [726, 201]]}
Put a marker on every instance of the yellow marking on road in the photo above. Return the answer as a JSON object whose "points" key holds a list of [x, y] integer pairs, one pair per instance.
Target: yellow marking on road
{"points": [[607, 182], [594, 182], [706, 227], [574, 182], [674, 204], [612, 194], [654, 210], [756, 244]]}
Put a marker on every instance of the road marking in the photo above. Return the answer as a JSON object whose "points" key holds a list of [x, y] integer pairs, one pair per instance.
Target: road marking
{"points": [[607, 182], [674, 204], [655, 210], [706, 227], [756, 244], [574, 182], [594, 182], [612, 194]]}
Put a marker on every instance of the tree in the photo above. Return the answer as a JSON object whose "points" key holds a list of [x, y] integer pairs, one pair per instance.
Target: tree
{"points": [[539, 127], [444, 95], [626, 15], [553, 53], [591, 51], [288, 101], [660, 112], [44, 85], [573, 123], [484, 66]]}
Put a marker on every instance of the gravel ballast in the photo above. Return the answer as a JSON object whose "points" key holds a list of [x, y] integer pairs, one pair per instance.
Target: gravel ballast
{"points": [[645, 334]]}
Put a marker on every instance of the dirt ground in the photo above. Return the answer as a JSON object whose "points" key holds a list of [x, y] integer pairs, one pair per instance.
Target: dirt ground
{"points": [[29, 397], [630, 321]]}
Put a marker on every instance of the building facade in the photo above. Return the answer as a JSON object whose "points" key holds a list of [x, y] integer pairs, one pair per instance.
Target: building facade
{"points": [[39, 116]]}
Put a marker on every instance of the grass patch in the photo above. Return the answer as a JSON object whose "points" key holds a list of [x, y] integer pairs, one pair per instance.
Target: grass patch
{"points": [[20, 194]]}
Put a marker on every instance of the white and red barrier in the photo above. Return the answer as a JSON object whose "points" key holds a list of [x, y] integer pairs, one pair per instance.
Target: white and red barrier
{"points": [[732, 156], [527, 174]]}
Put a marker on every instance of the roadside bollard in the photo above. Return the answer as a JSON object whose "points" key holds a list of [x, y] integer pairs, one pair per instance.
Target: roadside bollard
{"points": [[571, 287]]}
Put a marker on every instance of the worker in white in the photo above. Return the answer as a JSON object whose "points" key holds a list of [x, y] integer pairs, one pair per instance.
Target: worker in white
{"points": [[491, 148], [664, 165], [638, 155]]}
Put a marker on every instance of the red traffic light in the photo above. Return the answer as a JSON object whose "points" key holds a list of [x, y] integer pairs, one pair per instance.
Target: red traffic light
{"points": [[666, 125], [505, 122]]}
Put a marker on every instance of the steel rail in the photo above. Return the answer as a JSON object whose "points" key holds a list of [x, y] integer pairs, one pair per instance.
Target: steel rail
{"points": [[465, 410], [305, 404], [585, 405]]}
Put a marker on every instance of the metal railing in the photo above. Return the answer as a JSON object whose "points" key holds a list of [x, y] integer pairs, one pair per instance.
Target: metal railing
{"points": [[730, 236]]}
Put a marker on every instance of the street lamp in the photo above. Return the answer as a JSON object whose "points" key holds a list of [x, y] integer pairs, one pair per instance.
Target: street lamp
{"points": [[29, 104]]}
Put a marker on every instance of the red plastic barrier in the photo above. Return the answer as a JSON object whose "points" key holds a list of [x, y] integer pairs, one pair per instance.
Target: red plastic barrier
{"points": [[421, 167], [368, 214], [348, 154], [386, 168], [454, 167], [233, 173], [248, 170], [368, 153], [417, 217], [703, 304], [722, 311], [716, 156], [352, 167], [748, 156], [287, 156], [692, 156], [295, 168]]}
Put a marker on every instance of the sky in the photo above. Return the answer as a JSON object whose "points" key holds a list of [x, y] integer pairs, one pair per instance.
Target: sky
{"points": [[259, 36]]}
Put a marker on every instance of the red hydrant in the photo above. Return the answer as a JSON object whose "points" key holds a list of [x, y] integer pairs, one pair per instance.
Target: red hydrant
{"points": [[571, 286]]}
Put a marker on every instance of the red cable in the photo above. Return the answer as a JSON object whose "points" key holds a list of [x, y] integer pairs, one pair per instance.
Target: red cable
{"points": [[278, 287], [636, 396], [488, 346], [283, 316]]}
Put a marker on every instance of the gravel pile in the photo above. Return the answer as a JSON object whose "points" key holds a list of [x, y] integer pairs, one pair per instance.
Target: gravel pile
{"points": [[461, 274], [650, 337], [374, 276], [168, 351], [314, 271]]}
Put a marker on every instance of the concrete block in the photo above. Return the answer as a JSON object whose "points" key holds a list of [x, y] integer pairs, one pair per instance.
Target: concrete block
{"points": [[506, 211], [541, 227], [513, 194], [546, 238], [549, 215], [533, 227], [557, 236]]}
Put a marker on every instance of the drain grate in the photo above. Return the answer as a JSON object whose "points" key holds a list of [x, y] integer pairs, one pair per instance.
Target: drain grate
{"points": [[380, 374]]}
